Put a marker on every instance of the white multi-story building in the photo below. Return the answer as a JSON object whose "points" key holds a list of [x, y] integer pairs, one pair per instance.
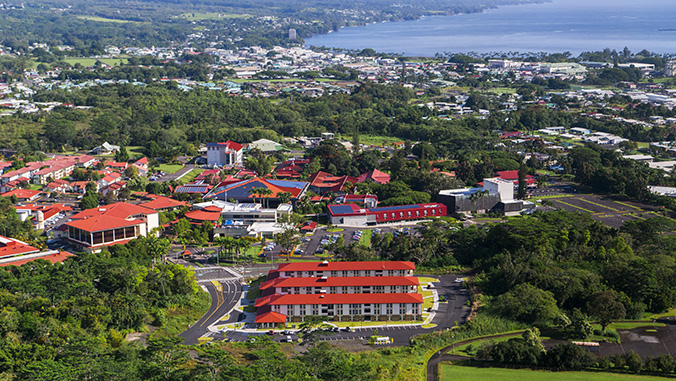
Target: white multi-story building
{"points": [[227, 154]]}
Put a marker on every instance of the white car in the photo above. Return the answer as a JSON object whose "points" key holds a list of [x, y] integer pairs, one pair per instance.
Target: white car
{"points": [[459, 280]]}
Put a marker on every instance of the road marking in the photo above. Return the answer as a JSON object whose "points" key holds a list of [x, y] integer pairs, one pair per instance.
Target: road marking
{"points": [[219, 303]]}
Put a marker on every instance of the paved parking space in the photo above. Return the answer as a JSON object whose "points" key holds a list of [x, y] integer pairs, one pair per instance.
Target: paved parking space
{"points": [[609, 211]]}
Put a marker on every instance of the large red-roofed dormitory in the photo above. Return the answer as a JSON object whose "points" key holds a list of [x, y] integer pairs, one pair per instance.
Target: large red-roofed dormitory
{"points": [[339, 291]]}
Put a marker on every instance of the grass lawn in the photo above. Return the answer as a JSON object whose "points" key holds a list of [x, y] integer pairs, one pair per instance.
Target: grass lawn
{"points": [[170, 168], [502, 90], [424, 279], [325, 254], [462, 373], [193, 16], [629, 325], [254, 292], [376, 140], [136, 150], [334, 230], [91, 61], [370, 323], [35, 187], [365, 239], [190, 176], [105, 19]]}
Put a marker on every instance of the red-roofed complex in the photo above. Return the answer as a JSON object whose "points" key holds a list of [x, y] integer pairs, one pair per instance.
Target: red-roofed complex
{"points": [[351, 214], [23, 195], [375, 176], [322, 182], [92, 229], [339, 291], [242, 191]]}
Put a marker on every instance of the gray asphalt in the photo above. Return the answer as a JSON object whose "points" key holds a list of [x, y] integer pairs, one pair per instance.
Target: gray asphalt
{"points": [[222, 302]]}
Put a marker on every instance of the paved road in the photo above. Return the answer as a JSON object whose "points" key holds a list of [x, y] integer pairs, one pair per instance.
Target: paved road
{"points": [[174, 176], [222, 302]]}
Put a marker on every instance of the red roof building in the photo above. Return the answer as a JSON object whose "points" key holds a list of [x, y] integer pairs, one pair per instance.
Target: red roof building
{"points": [[322, 182], [23, 195], [51, 256], [162, 203], [93, 229], [210, 213], [351, 214], [10, 247], [376, 176]]}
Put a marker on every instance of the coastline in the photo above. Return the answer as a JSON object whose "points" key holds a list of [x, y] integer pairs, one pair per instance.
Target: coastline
{"points": [[422, 17], [554, 26]]}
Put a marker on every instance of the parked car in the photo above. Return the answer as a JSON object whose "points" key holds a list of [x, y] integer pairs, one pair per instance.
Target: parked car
{"points": [[271, 332]]}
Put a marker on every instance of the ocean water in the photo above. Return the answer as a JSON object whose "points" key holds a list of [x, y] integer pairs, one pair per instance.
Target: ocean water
{"points": [[556, 26]]}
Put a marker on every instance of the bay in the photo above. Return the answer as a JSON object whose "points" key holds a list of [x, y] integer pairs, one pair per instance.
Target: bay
{"points": [[556, 26]]}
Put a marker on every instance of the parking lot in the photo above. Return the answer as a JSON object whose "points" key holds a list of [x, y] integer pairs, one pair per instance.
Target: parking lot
{"points": [[610, 212]]}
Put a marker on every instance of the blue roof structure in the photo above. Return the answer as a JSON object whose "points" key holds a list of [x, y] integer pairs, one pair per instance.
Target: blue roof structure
{"points": [[343, 209]]}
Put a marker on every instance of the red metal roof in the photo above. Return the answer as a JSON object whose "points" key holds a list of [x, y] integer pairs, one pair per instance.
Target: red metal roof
{"points": [[203, 215], [54, 258], [161, 202], [10, 247], [338, 299], [266, 315], [345, 281], [22, 193], [339, 266], [375, 176]]}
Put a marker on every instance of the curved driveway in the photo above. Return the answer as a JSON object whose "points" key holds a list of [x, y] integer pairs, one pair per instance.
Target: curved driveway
{"points": [[224, 297]]}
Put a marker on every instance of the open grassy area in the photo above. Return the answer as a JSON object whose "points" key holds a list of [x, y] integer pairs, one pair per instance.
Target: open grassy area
{"points": [[194, 16], [502, 90], [170, 168], [424, 279], [371, 323], [190, 176], [468, 373], [105, 19], [254, 292], [86, 62], [375, 140], [334, 230], [365, 239]]}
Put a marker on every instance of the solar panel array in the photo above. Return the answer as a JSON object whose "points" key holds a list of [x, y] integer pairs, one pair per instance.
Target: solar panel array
{"points": [[391, 208], [341, 209], [187, 189]]}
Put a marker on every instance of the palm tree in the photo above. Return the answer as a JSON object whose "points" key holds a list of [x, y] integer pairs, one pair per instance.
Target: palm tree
{"points": [[284, 197], [255, 192], [265, 192]]}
